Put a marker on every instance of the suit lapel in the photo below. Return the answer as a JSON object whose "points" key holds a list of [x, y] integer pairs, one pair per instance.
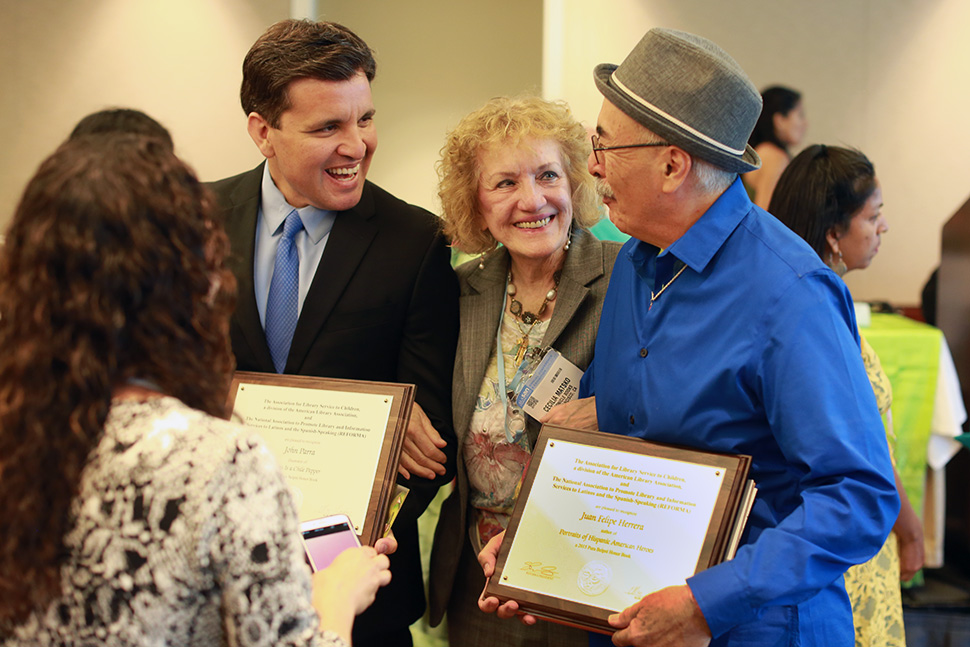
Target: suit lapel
{"points": [[481, 310], [349, 240], [483, 306], [584, 264], [241, 229]]}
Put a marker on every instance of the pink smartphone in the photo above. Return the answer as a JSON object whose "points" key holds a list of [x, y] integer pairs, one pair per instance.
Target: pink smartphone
{"points": [[325, 538]]}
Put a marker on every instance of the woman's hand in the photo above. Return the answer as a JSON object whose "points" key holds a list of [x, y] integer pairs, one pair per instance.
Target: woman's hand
{"points": [[487, 559], [348, 586], [909, 533], [422, 455]]}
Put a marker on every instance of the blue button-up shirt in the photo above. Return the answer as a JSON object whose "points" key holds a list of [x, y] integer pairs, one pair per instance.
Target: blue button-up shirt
{"points": [[753, 350]]}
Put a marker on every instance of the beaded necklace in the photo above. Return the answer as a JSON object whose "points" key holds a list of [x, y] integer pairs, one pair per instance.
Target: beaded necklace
{"points": [[528, 318]]}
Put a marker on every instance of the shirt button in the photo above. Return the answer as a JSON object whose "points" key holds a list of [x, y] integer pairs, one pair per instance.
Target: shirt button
{"points": [[643, 352], [632, 419]]}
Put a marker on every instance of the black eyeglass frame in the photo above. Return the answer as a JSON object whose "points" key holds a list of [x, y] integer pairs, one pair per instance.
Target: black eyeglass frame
{"points": [[595, 139]]}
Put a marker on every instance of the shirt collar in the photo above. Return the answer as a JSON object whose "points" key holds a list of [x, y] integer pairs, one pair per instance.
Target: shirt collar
{"points": [[702, 241], [316, 222]]}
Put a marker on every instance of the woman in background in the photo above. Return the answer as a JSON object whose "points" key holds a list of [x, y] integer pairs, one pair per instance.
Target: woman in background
{"points": [[130, 512], [781, 126], [514, 188], [830, 197]]}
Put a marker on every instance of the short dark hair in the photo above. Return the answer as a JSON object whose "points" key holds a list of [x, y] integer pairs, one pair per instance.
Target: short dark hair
{"points": [[122, 120], [774, 100], [299, 49], [822, 188]]}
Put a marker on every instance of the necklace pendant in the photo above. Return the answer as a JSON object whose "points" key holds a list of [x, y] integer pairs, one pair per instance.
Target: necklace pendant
{"points": [[523, 346], [528, 318]]}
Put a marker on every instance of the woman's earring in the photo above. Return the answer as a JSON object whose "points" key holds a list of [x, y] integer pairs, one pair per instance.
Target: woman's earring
{"points": [[569, 242], [482, 257], [839, 266]]}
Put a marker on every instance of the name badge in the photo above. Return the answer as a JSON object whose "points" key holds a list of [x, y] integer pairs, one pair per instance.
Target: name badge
{"points": [[553, 381]]}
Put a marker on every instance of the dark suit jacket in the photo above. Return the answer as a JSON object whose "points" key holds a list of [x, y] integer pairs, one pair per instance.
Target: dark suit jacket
{"points": [[382, 307], [571, 331]]}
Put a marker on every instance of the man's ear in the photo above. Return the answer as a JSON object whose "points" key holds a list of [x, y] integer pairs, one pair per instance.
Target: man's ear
{"points": [[259, 130], [677, 164]]}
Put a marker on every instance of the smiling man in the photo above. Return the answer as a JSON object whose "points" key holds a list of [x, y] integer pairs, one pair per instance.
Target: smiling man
{"points": [[338, 278], [722, 330]]}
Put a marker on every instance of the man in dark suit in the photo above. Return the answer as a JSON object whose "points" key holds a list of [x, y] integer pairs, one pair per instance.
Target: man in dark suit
{"points": [[337, 277]]}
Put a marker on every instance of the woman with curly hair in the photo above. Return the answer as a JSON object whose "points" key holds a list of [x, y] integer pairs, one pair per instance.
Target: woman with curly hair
{"points": [[515, 189], [130, 513]]}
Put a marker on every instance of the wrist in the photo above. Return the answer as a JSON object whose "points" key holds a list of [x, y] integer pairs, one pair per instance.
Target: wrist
{"points": [[336, 617], [702, 621]]}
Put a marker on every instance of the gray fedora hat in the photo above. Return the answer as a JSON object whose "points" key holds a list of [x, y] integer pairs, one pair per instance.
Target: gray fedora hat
{"points": [[689, 91]]}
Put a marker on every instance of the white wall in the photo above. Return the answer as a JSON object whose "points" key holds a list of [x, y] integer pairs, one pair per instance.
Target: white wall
{"points": [[886, 76], [438, 60], [178, 60]]}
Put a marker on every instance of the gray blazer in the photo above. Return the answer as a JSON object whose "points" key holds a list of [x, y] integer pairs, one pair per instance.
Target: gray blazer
{"points": [[571, 331]]}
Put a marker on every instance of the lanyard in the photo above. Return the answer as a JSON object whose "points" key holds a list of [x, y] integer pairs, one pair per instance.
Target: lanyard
{"points": [[502, 387]]}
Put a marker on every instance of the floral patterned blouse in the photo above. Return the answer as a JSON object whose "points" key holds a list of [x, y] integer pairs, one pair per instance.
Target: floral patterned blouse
{"points": [[494, 464], [873, 586], [183, 533]]}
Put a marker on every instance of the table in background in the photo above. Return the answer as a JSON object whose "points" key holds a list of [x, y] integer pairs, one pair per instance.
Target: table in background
{"points": [[927, 412]]}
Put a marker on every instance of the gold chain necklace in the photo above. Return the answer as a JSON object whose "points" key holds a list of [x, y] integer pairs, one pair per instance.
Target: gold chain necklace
{"points": [[654, 297]]}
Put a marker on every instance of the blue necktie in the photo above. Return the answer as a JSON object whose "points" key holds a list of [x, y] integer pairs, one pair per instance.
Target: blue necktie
{"points": [[282, 306]]}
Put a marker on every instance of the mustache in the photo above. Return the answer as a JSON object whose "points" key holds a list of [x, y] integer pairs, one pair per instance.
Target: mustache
{"points": [[603, 189]]}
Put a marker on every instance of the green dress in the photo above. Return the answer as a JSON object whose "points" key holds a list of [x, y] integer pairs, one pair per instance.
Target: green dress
{"points": [[873, 587]]}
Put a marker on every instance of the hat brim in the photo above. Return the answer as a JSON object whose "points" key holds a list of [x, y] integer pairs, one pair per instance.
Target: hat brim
{"points": [[748, 161]]}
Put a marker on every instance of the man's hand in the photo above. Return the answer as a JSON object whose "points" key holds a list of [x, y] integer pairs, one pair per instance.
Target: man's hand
{"points": [[487, 559], [421, 455], [669, 617], [578, 414], [386, 545]]}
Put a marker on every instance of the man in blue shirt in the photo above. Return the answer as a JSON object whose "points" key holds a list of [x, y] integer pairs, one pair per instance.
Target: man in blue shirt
{"points": [[723, 330]]}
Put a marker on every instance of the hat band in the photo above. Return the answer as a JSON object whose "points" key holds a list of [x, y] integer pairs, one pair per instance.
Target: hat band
{"points": [[671, 118]]}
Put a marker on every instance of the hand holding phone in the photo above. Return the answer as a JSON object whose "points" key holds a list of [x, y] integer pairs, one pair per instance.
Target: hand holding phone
{"points": [[325, 538], [348, 586]]}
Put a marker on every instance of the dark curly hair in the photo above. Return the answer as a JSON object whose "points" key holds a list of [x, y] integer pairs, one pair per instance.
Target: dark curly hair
{"points": [[122, 120], [113, 270]]}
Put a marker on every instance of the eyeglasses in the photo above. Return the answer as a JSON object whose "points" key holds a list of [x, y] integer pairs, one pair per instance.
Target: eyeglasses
{"points": [[597, 148]]}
